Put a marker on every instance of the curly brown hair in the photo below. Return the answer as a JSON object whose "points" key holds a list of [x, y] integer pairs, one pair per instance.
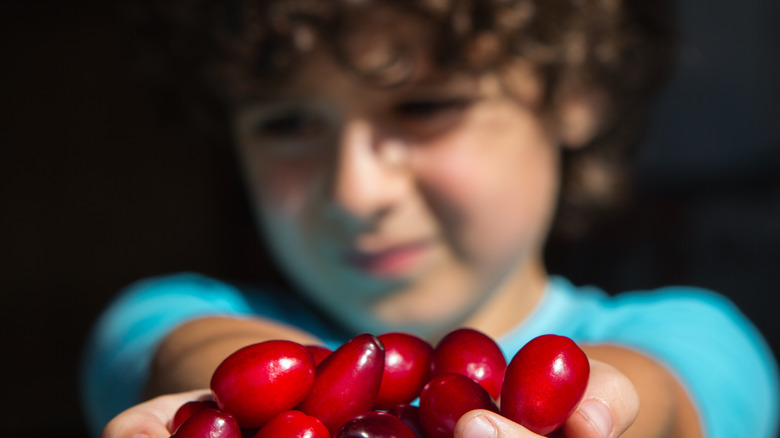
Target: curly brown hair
{"points": [[622, 48]]}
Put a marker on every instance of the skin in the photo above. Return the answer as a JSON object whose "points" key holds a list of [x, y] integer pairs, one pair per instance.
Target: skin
{"points": [[420, 208], [370, 179]]}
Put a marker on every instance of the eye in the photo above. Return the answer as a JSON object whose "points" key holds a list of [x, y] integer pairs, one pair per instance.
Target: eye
{"points": [[426, 108], [289, 124]]}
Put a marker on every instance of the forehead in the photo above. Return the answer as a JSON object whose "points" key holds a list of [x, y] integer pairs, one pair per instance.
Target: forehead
{"points": [[323, 70], [321, 77]]}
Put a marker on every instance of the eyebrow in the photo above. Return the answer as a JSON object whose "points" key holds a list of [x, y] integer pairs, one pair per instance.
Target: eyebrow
{"points": [[427, 84], [270, 102], [440, 81]]}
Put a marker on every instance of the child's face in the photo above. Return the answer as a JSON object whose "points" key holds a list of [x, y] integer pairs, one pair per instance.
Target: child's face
{"points": [[400, 208]]}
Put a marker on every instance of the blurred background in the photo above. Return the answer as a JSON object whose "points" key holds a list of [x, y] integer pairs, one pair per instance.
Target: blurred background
{"points": [[100, 186]]}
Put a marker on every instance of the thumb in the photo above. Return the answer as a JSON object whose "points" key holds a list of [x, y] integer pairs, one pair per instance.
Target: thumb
{"points": [[151, 418], [480, 423], [607, 409]]}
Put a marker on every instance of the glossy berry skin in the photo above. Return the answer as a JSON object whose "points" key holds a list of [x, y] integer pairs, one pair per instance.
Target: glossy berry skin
{"points": [[410, 416], [262, 380], [471, 353], [347, 382], [319, 353], [374, 424], [209, 423], [293, 424], [544, 382], [407, 369], [188, 409], [446, 398]]}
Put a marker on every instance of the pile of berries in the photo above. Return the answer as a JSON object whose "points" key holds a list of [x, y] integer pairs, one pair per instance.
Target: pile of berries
{"points": [[366, 387]]}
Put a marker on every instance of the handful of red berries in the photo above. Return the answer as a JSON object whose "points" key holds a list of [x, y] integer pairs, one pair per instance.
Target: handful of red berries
{"points": [[365, 388]]}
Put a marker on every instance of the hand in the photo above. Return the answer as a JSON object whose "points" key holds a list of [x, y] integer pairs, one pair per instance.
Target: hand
{"points": [[607, 409], [151, 418], [608, 389]]}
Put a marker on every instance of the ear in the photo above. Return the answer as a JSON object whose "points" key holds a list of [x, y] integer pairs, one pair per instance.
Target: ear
{"points": [[580, 116]]}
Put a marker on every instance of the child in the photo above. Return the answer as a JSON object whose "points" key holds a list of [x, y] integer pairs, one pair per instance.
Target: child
{"points": [[406, 162]]}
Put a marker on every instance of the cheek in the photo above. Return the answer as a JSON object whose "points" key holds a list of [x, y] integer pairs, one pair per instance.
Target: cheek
{"points": [[494, 202], [281, 195], [283, 187]]}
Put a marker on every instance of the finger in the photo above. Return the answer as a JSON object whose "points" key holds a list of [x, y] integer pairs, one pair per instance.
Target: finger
{"points": [[151, 418], [485, 424], [607, 409]]}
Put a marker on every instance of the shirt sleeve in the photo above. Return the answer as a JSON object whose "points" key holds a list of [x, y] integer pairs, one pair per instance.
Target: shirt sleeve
{"points": [[119, 350], [718, 355]]}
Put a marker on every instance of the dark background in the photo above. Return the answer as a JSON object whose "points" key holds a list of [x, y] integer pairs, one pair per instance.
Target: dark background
{"points": [[99, 187]]}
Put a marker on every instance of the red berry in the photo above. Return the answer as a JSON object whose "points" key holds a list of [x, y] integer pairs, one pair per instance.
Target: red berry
{"points": [[319, 353], [407, 369], [209, 423], [474, 354], [186, 410], [544, 382], [347, 382], [293, 424], [374, 424], [410, 416], [446, 398], [261, 380]]}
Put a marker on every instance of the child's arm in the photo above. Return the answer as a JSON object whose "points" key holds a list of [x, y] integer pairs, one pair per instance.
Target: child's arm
{"points": [[150, 339], [188, 356]]}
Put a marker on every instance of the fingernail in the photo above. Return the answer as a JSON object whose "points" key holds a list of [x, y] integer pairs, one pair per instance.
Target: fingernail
{"points": [[479, 427], [598, 414]]}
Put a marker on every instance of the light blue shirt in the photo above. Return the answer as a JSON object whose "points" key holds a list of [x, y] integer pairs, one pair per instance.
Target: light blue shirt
{"points": [[717, 354]]}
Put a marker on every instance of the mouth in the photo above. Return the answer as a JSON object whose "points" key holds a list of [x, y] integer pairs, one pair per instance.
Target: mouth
{"points": [[390, 261]]}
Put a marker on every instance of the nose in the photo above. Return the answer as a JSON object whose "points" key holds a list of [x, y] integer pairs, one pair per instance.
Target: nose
{"points": [[368, 180]]}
